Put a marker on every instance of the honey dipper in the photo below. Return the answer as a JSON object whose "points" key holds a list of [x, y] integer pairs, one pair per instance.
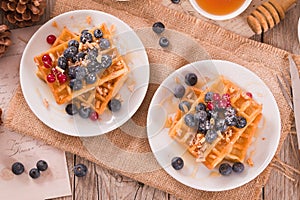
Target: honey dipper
{"points": [[267, 15]]}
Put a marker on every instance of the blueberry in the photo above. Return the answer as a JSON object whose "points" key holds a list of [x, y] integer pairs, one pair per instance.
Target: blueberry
{"points": [[200, 106], [213, 114], [62, 63], [79, 57], [179, 91], [98, 33], [84, 31], [177, 163], [164, 42], [221, 125], [238, 167], [202, 127], [106, 61], [191, 79], [208, 97], [225, 169], [42, 165], [230, 111], [74, 43], [211, 136], [201, 116], [75, 84], [158, 27], [184, 106], [91, 78], [86, 37], [241, 122], [104, 43], [80, 72], [80, 170], [94, 67], [71, 109], [17, 168], [114, 105], [231, 121], [208, 125], [85, 112], [34, 173], [189, 120], [71, 72], [70, 52], [92, 54], [175, 1]]}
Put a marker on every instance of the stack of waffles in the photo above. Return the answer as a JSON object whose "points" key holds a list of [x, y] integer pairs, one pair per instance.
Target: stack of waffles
{"points": [[108, 81], [233, 143]]}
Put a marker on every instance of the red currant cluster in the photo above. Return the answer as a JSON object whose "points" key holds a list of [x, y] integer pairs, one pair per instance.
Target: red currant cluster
{"points": [[55, 74]]}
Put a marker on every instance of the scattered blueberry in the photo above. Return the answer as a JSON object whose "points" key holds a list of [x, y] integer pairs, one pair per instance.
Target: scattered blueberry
{"points": [[221, 125], [114, 105], [231, 120], [86, 37], [104, 43], [225, 169], [71, 72], [179, 91], [213, 114], [184, 106], [62, 63], [84, 31], [200, 106], [71, 109], [92, 54], [241, 122], [80, 170], [74, 43], [79, 57], [42, 165], [208, 97], [17, 168], [230, 111], [80, 72], [238, 167], [191, 79], [94, 67], [98, 33], [189, 120], [211, 136], [91, 78], [164, 42], [34, 173], [158, 27], [70, 52], [75, 84], [85, 112], [106, 61], [177, 163], [202, 127], [175, 1], [200, 116]]}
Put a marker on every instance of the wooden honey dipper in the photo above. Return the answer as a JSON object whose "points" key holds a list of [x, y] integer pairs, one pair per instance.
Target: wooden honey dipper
{"points": [[267, 15]]}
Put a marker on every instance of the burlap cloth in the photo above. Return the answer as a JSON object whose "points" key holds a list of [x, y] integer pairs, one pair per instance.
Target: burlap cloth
{"points": [[262, 59]]}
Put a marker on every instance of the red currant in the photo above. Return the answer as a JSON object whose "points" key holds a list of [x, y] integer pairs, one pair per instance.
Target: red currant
{"points": [[228, 103], [223, 103], [62, 78], [210, 106], [51, 39], [249, 94], [51, 78], [47, 64], [94, 116], [46, 58], [226, 97], [216, 97]]}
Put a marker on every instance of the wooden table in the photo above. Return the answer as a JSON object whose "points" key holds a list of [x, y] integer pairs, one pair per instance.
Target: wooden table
{"points": [[104, 184]]}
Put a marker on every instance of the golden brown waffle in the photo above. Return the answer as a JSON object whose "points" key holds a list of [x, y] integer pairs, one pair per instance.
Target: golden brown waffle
{"points": [[64, 36], [226, 143], [62, 92]]}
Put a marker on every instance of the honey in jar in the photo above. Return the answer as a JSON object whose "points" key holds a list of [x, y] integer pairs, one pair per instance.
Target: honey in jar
{"points": [[220, 7]]}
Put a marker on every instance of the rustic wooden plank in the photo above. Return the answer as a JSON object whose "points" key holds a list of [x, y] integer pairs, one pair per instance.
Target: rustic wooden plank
{"points": [[284, 36]]}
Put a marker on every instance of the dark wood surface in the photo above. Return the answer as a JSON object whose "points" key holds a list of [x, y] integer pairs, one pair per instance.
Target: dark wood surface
{"points": [[104, 184]]}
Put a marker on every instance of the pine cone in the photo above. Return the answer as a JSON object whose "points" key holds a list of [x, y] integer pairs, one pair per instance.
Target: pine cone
{"points": [[23, 12], [5, 41]]}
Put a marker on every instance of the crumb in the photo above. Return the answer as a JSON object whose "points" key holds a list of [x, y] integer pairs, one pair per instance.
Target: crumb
{"points": [[0, 116], [54, 24], [263, 138], [112, 28], [88, 20], [131, 87], [250, 162], [46, 103], [72, 17]]}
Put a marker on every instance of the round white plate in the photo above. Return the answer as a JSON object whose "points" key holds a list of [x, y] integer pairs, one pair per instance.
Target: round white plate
{"points": [[194, 174], [54, 116]]}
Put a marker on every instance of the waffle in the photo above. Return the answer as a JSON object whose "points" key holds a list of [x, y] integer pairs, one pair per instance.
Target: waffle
{"points": [[62, 92], [64, 36], [231, 143]]}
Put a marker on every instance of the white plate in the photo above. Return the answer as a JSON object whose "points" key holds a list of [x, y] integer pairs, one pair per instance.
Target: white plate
{"points": [[35, 90], [197, 175]]}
